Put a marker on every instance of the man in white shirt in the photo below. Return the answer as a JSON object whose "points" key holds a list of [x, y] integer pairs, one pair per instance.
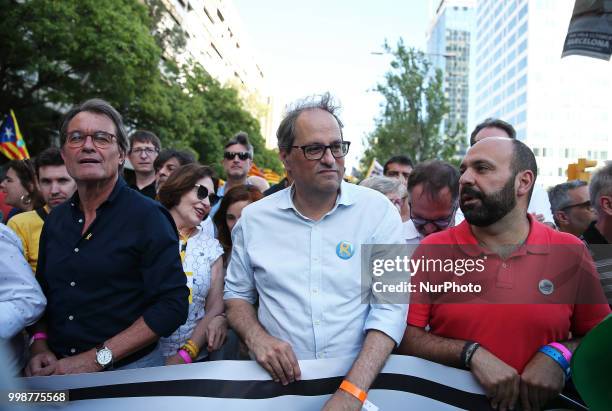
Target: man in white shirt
{"points": [[299, 250], [22, 302]]}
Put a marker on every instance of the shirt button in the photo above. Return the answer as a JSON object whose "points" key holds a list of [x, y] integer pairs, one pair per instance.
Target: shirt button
{"points": [[72, 283], [504, 265], [71, 317], [317, 322], [76, 250], [80, 220], [73, 350]]}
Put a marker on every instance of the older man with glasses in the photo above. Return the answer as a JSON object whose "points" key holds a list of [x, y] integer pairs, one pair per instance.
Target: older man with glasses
{"points": [[298, 252], [571, 207], [108, 262], [433, 188]]}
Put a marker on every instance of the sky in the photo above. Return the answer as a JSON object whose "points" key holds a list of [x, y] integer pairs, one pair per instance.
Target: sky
{"points": [[309, 47]]}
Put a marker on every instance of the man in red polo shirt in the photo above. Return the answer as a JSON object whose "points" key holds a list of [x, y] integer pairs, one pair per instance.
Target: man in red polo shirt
{"points": [[526, 261]]}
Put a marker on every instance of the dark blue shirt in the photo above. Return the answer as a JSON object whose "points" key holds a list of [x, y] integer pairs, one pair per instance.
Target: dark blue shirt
{"points": [[126, 265]]}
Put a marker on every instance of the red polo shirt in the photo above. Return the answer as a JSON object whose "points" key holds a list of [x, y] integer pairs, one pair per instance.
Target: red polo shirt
{"points": [[515, 332]]}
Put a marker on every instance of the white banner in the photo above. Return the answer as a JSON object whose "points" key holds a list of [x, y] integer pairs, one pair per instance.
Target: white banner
{"points": [[405, 383]]}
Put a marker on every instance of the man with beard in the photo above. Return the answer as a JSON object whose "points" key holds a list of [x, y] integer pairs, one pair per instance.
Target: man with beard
{"points": [[514, 350]]}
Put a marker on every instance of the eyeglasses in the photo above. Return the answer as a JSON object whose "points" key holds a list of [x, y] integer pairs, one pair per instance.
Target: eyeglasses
{"points": [[317, 151], [242, 155], [100, 139], [202, 193], [586, 204], [148, 151], [440, 223]]}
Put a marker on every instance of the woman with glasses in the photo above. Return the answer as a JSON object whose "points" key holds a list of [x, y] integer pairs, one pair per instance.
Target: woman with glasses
{"points": [[186, 195], [19, 187], [229, 213]]}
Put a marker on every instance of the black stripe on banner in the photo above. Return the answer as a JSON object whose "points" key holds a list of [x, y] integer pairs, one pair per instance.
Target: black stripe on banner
{"points": [[270, 389]]}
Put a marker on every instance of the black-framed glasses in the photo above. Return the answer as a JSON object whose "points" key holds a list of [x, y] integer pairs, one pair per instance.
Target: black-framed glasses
{"points": [[203, 193], [440, 223], [586, 204], [242, 155], [148, 151], [100, 139], [317, 151]]}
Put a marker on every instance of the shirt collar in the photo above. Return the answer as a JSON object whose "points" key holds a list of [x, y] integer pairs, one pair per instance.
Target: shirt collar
{"points": [[593, 236], [346, 197], [537, 241], [75, 200]]}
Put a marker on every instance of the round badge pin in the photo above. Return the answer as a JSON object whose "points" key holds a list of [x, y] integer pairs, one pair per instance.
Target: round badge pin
{"points": [[345, 250], [546, 287]]}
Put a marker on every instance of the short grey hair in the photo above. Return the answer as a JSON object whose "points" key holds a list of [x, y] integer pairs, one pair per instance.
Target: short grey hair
{"points": [[385, 185], [559, 195], [286, 130], [241, 138], [99, 106], [601, 184]]}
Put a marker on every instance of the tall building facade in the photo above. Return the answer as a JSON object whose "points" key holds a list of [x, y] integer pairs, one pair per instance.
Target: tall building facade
{"points": [[448, 48], [215, 38], [559, 107]]}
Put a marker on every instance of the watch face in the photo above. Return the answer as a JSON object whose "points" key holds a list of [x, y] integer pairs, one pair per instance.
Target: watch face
{"points": [[104, 356]]}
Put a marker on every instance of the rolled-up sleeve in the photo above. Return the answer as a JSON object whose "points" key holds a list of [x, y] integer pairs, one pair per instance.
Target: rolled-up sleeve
{"points": [[22, 302], [388, 318], [163, 275], [239, 281]]}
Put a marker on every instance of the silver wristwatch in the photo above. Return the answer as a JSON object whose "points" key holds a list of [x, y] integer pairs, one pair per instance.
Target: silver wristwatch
{"points": [[104, 356]]}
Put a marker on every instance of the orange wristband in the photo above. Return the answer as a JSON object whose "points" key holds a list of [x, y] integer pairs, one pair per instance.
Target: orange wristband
{"points": [[354, 390]]}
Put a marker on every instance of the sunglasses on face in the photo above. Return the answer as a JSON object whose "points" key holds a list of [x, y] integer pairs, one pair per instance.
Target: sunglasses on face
{"points": [[242, 155], [202, 193]]}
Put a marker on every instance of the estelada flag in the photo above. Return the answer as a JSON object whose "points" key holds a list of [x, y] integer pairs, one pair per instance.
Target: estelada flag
{"points": [[12, 144]]}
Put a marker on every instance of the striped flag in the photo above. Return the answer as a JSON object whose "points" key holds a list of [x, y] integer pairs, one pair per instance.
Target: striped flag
{"points": [[12, 144]]}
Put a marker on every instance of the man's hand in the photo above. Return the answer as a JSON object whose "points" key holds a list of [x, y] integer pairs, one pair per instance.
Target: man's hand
{"points": [[81, 363], [41, 364], [175, 360], [216, 331], [277, 357], [342, 401], [539, 217], [542, 380], [500, 381]]}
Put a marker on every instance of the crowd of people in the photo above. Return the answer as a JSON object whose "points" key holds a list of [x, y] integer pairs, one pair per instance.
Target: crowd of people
{"points": [[104, 272]]}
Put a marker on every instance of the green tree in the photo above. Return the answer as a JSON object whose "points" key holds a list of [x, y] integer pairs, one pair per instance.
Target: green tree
{"points": [[413, 111], [55, 54]]}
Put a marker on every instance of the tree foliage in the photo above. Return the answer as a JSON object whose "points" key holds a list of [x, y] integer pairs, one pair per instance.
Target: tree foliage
{"points": [[413, 111], [55, 54]]}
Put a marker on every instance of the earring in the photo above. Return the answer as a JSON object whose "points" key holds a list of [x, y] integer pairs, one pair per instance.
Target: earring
{"points": [[26, 199]]}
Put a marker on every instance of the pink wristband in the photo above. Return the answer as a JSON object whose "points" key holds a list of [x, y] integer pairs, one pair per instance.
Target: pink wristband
{"points": [[567, 354], [38, 336], [185, 356]]}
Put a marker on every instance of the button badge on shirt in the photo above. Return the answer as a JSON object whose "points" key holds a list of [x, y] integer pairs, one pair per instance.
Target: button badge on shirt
{"points": [[345, 250], [546, 287]]}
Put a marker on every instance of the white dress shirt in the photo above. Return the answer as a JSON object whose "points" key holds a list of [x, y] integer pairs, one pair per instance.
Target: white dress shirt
{"points": [[308, 273], [22, 302]]}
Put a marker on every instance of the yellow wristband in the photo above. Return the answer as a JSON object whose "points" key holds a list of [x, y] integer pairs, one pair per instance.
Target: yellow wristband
{"points": [[354, 390]]}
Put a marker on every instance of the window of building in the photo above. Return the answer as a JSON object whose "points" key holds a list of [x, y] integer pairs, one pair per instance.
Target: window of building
{"points": [[220, 15], [536, 151], [209, 16], [604, 155]]}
